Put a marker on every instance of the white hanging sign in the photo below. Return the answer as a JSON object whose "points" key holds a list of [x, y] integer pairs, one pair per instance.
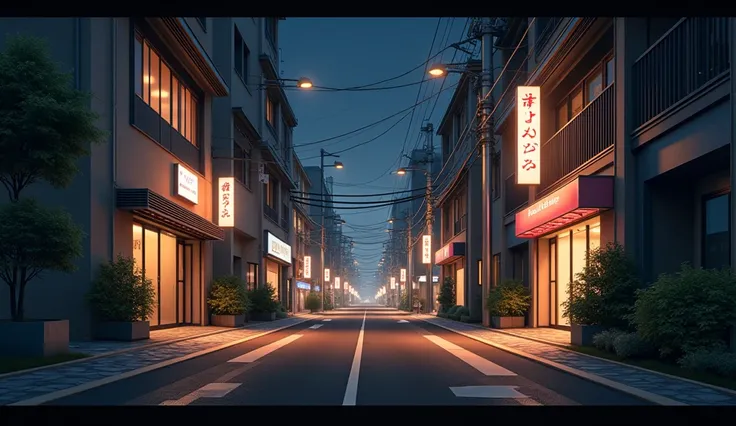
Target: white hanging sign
{"points": [[426, 249], [528, 125], [402, 276], [226, 198], [307, 266]]}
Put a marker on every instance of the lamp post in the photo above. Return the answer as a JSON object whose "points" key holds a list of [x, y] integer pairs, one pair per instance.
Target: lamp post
{"points": [[302, 83], [337, 165], [487, 143], [409, 259]]}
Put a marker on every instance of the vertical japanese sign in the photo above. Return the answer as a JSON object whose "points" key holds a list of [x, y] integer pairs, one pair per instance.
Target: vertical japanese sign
{"points": [[426, 249], [226, 200], [402, 276], [528, 134], [307, 266], [327, 275], [337, 283], [393, 283]]}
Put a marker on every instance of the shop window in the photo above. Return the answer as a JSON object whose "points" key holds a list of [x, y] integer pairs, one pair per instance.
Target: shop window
{"points": [[164, 92], [716, 251], [480, 272]]}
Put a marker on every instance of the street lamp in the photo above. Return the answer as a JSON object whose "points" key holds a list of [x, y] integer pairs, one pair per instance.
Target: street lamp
{"points": [[302, 83], [487, 142], [337, 165]]}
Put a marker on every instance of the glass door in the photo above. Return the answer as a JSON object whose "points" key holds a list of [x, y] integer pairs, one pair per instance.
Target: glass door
{"points": [[184, 283], [553, 281]]}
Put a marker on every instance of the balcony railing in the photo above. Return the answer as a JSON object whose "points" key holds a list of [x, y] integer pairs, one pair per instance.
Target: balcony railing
{"points": [[584, 137], [691, 54], [515, 195], [461, 224], [271, 212]]}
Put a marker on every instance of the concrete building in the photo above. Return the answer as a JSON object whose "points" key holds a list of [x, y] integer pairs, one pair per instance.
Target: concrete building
{"points": [[635, 142], [252, 139], [332, 231], [147, 192], [303, 229]]}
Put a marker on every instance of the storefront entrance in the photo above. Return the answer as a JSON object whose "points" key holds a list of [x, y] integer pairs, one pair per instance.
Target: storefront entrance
{"points": [[567, 254], [172, 265]]}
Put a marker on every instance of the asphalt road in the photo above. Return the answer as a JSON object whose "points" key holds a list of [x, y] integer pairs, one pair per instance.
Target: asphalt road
{"points": [[363, 359]]}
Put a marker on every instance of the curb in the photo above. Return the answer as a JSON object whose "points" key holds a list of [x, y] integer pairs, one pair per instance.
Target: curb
{"points": [[42, 399], [647, 396], [670, 376], [131, 349]]}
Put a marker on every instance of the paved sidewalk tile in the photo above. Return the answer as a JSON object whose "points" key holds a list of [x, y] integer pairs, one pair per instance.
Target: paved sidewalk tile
{"points": [[553, 335], [22, 386], [97, 347], [669, 387]]}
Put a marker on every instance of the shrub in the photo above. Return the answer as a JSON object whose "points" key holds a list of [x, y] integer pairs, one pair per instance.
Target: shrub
{"points": [[447, 298], [452, 309], [631, 345], [282, 314], [442, 314], [263, 299], [714, 360], [465, 318], [604, 293], [686, 311], [508, 299], [313, 302], [460, 312], [228, 296], [604, 340], [120, 292]]}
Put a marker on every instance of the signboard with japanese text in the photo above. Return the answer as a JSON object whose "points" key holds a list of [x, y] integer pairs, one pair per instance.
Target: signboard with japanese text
{"points": [[187, 184], [327, 275], [393, 283], [277, 248], [226, 199], [528, 145], [307, 266], [402, 276], [426, 249], [337, 283]]}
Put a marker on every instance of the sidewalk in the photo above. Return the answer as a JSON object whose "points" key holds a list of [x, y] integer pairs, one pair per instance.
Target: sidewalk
{"points": [[652, 386], [23, 385]]}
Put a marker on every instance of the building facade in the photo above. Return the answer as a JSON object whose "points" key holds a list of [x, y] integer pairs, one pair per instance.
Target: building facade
{"points": [[147, 192], [252, 143], [303, 228], [634, 147]]}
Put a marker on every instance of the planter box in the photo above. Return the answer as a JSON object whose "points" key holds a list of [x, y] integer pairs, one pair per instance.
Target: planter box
{"points": [[582, 335], [264, 316], [34, 338], [228, 320], [507, 322], [123, 331]]}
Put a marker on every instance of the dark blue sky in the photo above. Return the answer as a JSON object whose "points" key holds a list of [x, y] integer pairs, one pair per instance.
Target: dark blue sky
{"points": [[346, 52]]}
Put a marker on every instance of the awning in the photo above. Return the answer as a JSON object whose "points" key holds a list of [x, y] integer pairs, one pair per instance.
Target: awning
{"points": [[156, 207], [584, 197], [449, 253]]}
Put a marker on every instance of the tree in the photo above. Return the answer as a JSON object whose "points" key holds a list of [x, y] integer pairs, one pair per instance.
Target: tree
{"points": [[447, 298], [46, 126]]}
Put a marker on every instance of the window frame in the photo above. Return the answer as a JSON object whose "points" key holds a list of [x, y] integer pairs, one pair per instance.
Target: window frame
{"points": [[244, 55], [703, 221], [271, 107], [582, 85], [270, 29]]}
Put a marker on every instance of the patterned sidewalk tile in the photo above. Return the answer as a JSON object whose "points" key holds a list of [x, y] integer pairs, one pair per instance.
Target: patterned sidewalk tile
{"points": [[679, 390], [23, 386]]}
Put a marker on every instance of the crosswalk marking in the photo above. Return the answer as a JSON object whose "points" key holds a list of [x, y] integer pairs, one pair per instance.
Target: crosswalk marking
{"points": [[211, 390], [479, 363], [259, 353], [316, 326], [327, 319], [487, 392]]}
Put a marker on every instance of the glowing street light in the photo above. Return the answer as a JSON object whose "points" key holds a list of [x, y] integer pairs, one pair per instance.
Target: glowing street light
{"points": [[304, 83], [437, 70]]}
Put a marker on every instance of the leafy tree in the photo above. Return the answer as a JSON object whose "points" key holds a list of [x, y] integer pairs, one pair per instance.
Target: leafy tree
{"points": [[121, 293], [313, 302], [228, 296], [46, 126], [447, 298], [263, 299]]}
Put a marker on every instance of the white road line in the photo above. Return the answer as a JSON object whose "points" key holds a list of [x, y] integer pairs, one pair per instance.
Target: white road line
{"points": [[259, 353], [327, 319], [402, 321], [351, 391], [212, 390], [479, 363], [316, 326], [487, 392]]}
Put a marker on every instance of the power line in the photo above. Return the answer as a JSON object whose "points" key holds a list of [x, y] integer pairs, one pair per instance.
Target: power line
{"points": [[395, 200], [362, 195], [390, 203]]}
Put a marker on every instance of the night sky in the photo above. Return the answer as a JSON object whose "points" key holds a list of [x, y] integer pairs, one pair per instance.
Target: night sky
{"points": [[348, 52]]}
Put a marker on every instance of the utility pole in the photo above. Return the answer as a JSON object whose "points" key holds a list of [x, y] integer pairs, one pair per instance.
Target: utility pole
{"points": [[322, 217], [409, 263], [429, 129], [487, 148]]}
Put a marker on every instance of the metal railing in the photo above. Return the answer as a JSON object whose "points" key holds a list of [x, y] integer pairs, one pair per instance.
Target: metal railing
{"points": [[461, 224], [515, 195], [270, 212], [585, 136], [689, 55]]}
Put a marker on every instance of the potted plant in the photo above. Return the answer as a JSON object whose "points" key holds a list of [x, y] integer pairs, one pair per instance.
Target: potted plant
{"points": [[47, 128], [603, 294], [121, 300], [228, 302], [263, 303], [507, 304]]}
